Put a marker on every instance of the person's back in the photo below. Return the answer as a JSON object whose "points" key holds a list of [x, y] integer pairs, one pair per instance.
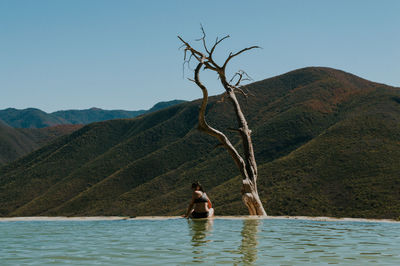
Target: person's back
{"points": [[200, 205]]}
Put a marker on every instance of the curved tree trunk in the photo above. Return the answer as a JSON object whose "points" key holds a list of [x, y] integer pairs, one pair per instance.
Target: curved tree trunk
{"points": [[251, 199], [247, 165]]}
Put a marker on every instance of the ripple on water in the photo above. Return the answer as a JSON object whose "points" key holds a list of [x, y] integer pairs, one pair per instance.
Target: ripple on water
{"points": [[179, 241]]}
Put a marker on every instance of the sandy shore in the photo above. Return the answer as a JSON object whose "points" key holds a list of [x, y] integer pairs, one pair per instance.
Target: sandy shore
{"points": [[116, 218]]}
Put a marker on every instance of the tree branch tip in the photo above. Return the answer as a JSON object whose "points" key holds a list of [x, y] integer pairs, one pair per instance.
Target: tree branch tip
{"points": [[202, 29]]}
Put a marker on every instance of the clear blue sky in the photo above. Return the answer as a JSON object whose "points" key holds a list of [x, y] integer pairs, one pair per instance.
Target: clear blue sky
{"points": [[76, 54]]}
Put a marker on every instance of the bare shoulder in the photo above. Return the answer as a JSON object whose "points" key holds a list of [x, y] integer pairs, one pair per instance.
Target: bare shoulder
{"points": [[197, 193]]}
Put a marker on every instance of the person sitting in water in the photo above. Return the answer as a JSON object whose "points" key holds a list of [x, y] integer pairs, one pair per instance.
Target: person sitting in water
{"points": [[200, 206]]}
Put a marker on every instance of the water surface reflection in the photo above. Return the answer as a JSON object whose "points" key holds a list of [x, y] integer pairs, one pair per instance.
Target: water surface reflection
{"points": [[205, 244], [248, 247], [199, 230]]}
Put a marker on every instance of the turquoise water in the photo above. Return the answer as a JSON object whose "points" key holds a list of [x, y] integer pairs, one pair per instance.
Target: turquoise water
{"points": [[183, 242]]}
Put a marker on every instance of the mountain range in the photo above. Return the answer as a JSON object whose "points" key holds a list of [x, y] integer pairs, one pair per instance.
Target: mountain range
{"points": [[327, 143], [36, 118], [23, 131]]}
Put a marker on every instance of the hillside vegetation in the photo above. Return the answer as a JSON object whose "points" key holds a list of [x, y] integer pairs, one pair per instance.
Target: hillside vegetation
{"points": [[16, 142], [34, 128], [326, 143]]}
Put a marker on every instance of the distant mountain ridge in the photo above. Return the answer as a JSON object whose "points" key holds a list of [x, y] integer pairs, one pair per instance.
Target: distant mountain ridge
{"points": [[327, 143], [29, 118], [35, 118], [29, 129]]}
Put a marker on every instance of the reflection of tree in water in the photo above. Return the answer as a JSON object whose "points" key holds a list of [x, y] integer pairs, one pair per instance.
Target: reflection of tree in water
{"points": [[199, 230], [248, 248]]}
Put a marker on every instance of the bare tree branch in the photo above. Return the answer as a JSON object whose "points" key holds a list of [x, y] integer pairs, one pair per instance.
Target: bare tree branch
{"points": [[215, 45], [240, 73], [247, 92], [218, 42], [203, 39], [241, 91], [180, 47], [223, 97], [203, 126], [208, 62], [234, 76], [231, 55]]}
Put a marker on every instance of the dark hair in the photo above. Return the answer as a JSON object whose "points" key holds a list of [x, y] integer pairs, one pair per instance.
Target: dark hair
{"points": [[197, 184]]}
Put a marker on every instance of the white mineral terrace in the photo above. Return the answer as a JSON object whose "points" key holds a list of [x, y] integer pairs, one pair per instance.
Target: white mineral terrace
{"points": [[116, 218]]}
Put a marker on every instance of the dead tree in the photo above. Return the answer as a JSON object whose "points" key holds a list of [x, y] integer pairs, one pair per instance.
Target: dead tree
{"points": [[247, 164]]}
